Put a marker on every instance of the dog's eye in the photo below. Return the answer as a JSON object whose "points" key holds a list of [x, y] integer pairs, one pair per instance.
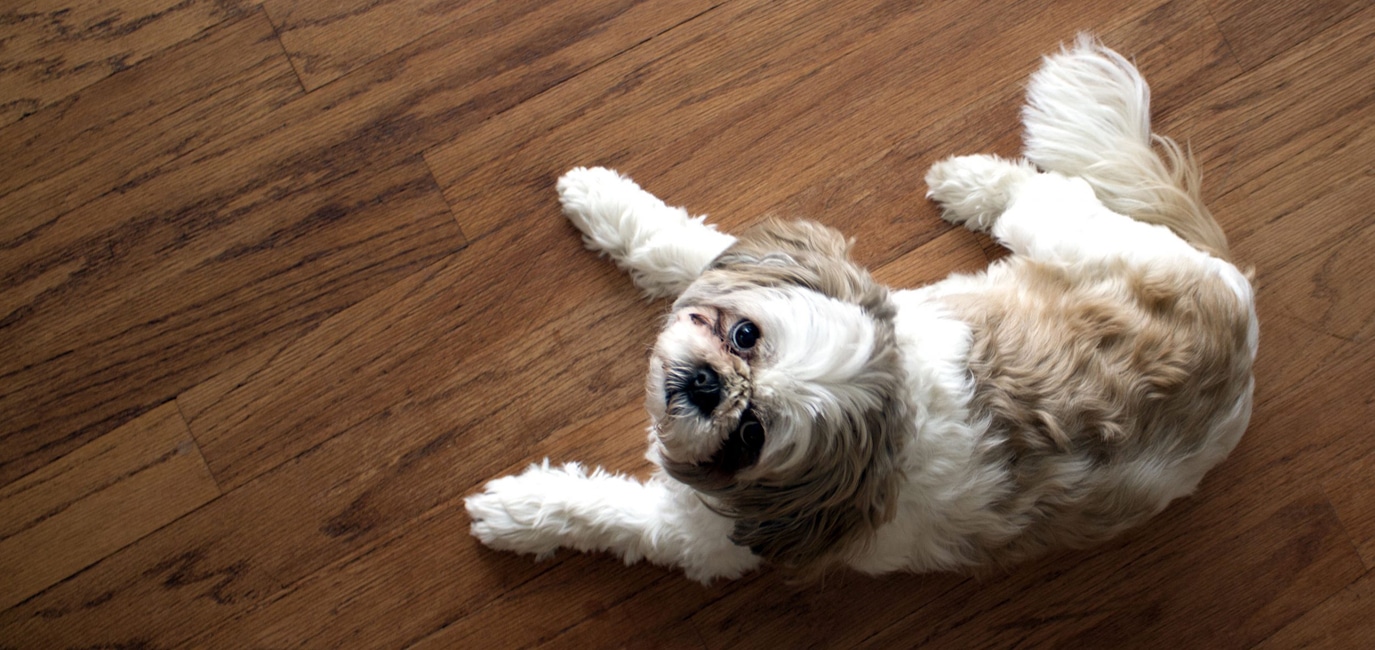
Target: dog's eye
{"points": [[744, 335]]}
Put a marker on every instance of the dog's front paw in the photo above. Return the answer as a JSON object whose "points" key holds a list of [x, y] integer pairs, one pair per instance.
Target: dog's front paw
{"points": [[975, 190], [601, 203], [511, 514]]}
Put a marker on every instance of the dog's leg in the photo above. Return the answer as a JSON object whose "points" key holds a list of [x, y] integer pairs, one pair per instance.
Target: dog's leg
{"points": [[975, 190], [661, 247], [1044, 215], [662, 521]]}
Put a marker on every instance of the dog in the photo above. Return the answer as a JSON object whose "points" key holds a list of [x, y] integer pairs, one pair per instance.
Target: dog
{"points": [[805, 417]]}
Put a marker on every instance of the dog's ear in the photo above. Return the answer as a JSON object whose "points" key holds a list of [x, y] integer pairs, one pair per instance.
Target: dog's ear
{"points": [[803, 253], [810, 518]]}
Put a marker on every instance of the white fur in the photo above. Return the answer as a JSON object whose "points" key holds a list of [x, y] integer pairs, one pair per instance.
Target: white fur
{"points": [[1054, 216], [662, 521], [661, 247]]}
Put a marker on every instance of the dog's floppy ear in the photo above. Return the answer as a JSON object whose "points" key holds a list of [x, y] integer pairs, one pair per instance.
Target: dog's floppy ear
{"points": [[803, 253], [808, 521]]}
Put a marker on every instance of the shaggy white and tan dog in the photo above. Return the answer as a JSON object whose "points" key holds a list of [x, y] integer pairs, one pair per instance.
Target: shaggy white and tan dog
{"points": [[805, 416]]}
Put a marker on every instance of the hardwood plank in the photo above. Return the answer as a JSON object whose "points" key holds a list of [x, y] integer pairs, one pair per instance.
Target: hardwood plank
{"points": [[1353, 497], [109, 136], [53, 49], [1259, 30], [406, 401], [1313, 103], [101, 497], [836, 88], [328, 39], [641, 621], [1313, 294], [955, 251], [242, 459], [427, 577], [1344, 621], [442, 347], [1173, 595], [1182, 53], [145, 307], [373, 120]]}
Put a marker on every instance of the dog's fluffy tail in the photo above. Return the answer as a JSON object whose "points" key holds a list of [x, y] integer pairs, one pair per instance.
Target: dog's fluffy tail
{"points": [[1088, 115]]}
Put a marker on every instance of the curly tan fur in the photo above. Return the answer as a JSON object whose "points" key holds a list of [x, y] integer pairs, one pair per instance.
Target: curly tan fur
{"points": [[1080, 376]]}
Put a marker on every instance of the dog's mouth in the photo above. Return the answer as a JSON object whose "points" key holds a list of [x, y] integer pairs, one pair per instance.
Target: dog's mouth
{"points": [[743, 446], [740, 451]]}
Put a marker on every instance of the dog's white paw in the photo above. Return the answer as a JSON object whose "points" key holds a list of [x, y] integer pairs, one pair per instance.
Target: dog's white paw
{"points": [[509, 515], [975, 190], [601, 203]]}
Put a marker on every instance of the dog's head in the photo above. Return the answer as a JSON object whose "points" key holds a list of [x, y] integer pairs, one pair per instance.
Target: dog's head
{"points": [[776, 387]]}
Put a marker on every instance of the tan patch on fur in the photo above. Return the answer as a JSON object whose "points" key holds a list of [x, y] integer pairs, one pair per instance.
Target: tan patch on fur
{"points": [[1079, 376]]}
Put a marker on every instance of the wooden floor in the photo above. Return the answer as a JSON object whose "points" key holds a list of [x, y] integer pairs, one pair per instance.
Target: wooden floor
{"points": [[282, 281]]}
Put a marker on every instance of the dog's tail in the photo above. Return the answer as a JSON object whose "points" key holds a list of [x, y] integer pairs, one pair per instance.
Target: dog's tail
{"points": [[1088, 114]]}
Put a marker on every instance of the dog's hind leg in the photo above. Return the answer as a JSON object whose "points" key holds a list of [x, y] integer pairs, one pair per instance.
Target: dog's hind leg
{"points": [[975, 190], [1059, 219], [1043, 215], [661, 247], [548, 507]]}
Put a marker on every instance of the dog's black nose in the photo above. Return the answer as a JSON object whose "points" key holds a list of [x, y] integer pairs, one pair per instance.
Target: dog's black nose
{"points": [[704, 389]]}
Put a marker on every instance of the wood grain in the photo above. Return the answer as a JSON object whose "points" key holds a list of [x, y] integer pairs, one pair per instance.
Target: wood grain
{"points": [[1310, 104], [97, 499], [328, 39], [136, 310], [358, 290], [226, 202], [1344, 621], [1258, 30], [423, 568], [1286, 574], [1352, 495], [1080, 600], [112, 135], [50, 50], [388, 448]]}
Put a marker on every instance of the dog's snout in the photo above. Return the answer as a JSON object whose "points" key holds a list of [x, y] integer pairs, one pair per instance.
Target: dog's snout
{"points": [[704, 389]]}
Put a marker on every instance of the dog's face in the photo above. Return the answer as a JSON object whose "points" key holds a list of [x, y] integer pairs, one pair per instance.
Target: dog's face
{"points": [[776, 388]]}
